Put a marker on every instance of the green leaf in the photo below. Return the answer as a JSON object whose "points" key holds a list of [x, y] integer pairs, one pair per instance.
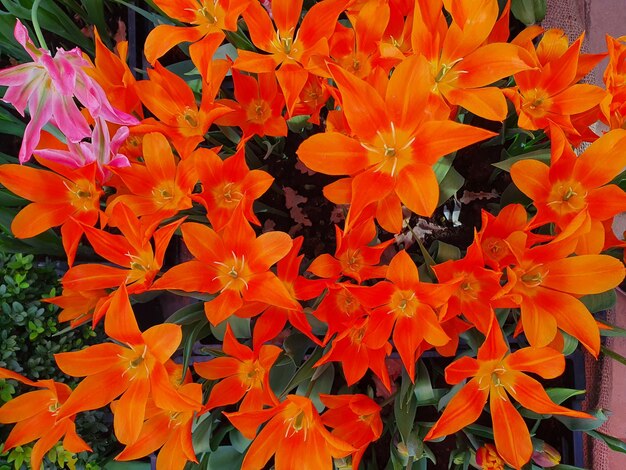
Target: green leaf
{"points": [[451, 183], [201, 434], [191, 334], [323, 382], [225, 458], [188, 314], [444, 252], [404, 413], [613, 355], [540, 155], [584, 424], [614, 331], [570, 344], [529, 11], [613, 442], [239, 326], [304, 373], [559, 395], [599, 302], [423, 389]]}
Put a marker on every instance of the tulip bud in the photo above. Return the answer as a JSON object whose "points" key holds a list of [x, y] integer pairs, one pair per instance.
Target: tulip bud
{"points": [[546, 455]]}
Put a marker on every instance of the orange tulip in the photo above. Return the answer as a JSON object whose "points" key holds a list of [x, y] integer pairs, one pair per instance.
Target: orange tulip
{"points": [[392, 150], [36, 417], [234, 264], [137, 262], [406, 305], [244, 373], [294, 433], [273, 319], [229, 187], [173, 103], [64, 196], [115, 77], [259, 106], [476, 287], [209, 17], [550, 94], [134, 369], [573, 192], [287, 48], [162, 186], [168, 429], [546, 283], [496, 375], [354, 419], [358, 347], [461, 64], [354, 257]]}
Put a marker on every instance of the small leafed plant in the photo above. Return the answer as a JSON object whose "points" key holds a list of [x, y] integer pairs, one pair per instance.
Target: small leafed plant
{"points": [[472, 246]]}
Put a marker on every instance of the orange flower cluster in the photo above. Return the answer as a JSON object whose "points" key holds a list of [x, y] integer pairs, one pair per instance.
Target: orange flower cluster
{"points": [[392, 84]]}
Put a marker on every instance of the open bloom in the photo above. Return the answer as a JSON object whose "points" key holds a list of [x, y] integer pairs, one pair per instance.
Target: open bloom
{"points": [[496, 374], [232, 263], [355, 419], [391, 149], [244, 373], [133, 368], [48, 86], [574, 192], [167, 428], [295, 434], [36, 417]]}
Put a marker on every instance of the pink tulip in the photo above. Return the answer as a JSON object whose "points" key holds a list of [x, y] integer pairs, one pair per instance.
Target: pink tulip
{"points": [[102, 150], [48, 87]]}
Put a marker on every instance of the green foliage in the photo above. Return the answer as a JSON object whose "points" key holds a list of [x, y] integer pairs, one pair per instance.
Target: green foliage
{"points": [[29, 338]]}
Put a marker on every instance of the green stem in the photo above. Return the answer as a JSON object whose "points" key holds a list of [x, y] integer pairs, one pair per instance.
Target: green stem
{"points": [[409, 464], [38, 32]]}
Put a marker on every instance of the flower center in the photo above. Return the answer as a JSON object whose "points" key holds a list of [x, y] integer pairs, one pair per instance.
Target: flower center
{"points": [[233, 274]]}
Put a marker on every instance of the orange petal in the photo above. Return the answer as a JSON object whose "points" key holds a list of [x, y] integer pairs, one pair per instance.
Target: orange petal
{"points": [[38, 217], [461, 369], [268, 249], [577, 99], [153, 435], [531, 395], [488, 103], [45, 443], [408, 90], [222, 306], [25, 406], [130, 411], [120, 322], [438, 138], [509, 430], [95, 391], [490, 63], [267, 288], [163, 37], [545, 362], [333, 153], [586, 274], [163, 340], [571, 316], [540, 327], [592, 168], [94, 276], [532, 178], [226, 392], [364, 108], [192, 276], [218, 368], [464, 408], [91, 360], [417, 188]]}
